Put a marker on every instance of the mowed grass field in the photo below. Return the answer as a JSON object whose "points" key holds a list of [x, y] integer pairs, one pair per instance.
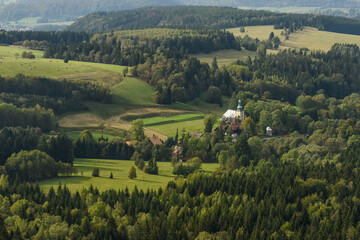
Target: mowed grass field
{"points": [[169, 125], [225, 57], [120, 170], [309, 37]]}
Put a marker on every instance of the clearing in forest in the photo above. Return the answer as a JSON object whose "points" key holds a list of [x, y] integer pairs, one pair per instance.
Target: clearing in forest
{"points": [[120, 170], [225, 57]]}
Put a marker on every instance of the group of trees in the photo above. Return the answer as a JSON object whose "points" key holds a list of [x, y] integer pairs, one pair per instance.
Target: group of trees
{"points": [[57, 95], [87, 147]]}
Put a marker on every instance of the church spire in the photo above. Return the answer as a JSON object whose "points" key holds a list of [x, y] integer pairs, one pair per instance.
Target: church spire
{"points": [[239, 107]]}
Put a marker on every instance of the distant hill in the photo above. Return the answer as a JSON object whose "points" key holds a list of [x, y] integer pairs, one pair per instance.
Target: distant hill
{"points": [[65, 10], [200, 17]]}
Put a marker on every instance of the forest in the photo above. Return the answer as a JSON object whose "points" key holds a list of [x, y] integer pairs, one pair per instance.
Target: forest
{"points": [[299, 182], [199, 17]]}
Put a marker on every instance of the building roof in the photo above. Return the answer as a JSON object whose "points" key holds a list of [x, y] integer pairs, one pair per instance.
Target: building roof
{"points": [[268, 129], [229, 114], [155, 140]]}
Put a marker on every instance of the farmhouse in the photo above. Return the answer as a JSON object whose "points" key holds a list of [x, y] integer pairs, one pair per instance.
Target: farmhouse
{"points": [[155, 140]]}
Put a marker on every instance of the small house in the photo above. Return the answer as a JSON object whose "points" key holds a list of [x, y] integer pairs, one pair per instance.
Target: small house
{"points": [[155, 140]]}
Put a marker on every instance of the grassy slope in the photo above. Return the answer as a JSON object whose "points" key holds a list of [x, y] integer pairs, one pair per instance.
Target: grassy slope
{"points": [[132, 100], [169, 125], [10, 51], [224, 57], [310, 37], [10, 66], [120, 170]]}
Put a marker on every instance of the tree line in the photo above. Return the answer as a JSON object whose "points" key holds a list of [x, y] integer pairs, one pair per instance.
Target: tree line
{"points": [[58, 95]]}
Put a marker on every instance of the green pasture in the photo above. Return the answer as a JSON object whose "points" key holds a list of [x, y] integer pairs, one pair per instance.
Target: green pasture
{"points": [[260, 32], [12, 51], [309, 37], [133, 91], [55, 68], [225, 57], [120, 170], [169, 125]]}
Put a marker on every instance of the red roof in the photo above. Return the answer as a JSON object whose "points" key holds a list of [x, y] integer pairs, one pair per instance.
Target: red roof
{"points": [[235, 126]]}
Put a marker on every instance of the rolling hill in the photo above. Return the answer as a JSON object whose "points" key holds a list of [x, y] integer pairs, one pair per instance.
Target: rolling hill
{"points": [[65, 10]]}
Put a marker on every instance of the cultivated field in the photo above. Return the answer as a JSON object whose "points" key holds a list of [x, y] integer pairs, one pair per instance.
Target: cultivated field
{"points": [[224, 57], [310, 38], [120, 170]]}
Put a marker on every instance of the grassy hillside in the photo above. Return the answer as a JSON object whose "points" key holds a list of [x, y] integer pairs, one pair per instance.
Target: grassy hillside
{"points": [[120, 170], [11, 51], [168, 125], [224, 57], [310, 38], [132, 100], [11, 65]]}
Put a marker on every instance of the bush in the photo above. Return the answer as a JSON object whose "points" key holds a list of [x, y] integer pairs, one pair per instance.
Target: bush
{"points": [[194, 163], [132, 173], [96, 173], [29, 55]]}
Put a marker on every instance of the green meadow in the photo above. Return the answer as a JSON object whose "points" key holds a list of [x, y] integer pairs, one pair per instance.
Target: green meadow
{"points": [[120, 170], [10, 65], [169, 125], [13, 51], [225, 57]]}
